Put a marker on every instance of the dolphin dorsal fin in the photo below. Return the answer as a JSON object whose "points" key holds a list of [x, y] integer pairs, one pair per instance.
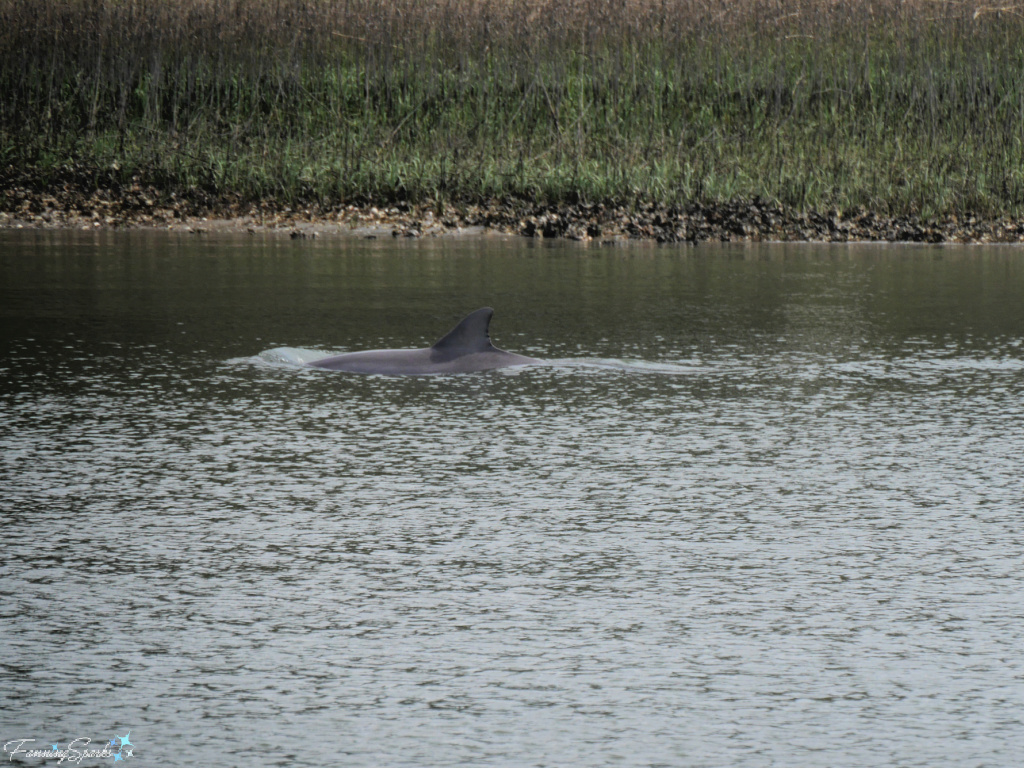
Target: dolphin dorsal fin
{"points": [[470, 335]]}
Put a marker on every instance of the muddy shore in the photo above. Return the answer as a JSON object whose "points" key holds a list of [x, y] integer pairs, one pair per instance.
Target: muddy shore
{"points": [[134, 205]]}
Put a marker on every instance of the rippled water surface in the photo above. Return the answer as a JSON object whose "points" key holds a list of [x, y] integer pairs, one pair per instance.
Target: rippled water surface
{"points": [[764, 507]]}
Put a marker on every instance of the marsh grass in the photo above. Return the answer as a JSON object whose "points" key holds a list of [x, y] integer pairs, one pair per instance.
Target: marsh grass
{"points": [[900, 107]]}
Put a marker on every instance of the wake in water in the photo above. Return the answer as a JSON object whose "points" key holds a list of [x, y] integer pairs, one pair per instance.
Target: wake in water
{"points": [[908, 369], [292, 356], [297, 357], [630, 366], [282, 357]]}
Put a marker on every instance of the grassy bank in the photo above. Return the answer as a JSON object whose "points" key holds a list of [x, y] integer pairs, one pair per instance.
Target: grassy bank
{"points": [[903, 108]]}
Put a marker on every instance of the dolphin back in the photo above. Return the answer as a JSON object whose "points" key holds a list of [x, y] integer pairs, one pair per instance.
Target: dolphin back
{"points": [[470, 335], [466, 348]]}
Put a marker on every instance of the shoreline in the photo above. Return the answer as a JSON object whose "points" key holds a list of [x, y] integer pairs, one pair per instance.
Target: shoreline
{"points": [[739, 221], [874, 120], [748, 221]]}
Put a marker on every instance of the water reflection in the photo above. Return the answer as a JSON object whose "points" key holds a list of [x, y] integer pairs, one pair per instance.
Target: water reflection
{"points": [[763, 510]]}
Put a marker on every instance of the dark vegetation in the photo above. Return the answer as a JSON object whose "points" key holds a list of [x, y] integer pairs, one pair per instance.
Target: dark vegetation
{"points": [[911, 108]]}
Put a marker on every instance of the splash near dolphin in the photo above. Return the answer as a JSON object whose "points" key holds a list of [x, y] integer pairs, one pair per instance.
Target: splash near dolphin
{"points": [[466, 348]]}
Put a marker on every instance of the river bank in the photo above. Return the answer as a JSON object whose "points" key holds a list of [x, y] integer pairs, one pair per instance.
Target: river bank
{"points": [[868, 120], [687, 121], [138, 206]]}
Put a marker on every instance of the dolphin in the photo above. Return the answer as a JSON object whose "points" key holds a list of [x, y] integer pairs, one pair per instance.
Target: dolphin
{"points": [[466, 348]]}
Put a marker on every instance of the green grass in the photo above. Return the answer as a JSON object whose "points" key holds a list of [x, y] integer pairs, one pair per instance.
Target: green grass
{"points": [[902, 108]]}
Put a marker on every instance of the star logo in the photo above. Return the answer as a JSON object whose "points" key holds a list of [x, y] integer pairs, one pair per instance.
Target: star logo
{"points": [[118, 757], [55, 746], [124, 740]]}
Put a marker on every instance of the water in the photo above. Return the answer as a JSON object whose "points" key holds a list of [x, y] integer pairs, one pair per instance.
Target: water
{"points": [[765, 509]]}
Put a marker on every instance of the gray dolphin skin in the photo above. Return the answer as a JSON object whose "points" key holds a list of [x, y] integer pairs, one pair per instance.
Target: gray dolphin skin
{"points": [[466, 348]]}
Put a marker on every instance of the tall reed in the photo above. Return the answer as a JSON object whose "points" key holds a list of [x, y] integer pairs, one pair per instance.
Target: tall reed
{"points": [[901, 107]]}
